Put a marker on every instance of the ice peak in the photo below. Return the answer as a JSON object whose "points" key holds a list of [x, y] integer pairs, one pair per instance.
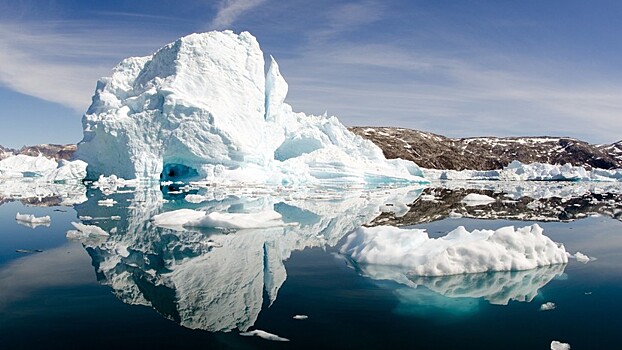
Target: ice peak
{"points": [[203, 107]]}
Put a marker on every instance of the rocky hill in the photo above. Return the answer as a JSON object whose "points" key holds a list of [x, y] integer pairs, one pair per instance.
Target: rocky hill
{"points": [[434, 151], [49, 150]]}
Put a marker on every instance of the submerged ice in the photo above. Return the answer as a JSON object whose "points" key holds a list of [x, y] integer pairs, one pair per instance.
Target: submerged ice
{"points": [[202, 108]]}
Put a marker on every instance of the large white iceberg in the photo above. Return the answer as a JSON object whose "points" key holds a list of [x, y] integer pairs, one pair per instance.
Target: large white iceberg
{"points": [[459, 252], [203, 108]]}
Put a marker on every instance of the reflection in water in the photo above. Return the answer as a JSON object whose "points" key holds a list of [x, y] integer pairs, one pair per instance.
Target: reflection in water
{"points": [[218, 280], [460, 294]]}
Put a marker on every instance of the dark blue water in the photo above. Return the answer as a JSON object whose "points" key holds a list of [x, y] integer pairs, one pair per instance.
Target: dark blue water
{"points": [[65, 297]]}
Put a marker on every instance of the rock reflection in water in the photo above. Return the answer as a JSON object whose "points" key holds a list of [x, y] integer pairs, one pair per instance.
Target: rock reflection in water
{"points": [[216, 280]]}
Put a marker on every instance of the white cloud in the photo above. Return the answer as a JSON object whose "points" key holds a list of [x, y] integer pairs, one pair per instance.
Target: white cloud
{"points": [[229, 11], [60, 61], [387, 84]]}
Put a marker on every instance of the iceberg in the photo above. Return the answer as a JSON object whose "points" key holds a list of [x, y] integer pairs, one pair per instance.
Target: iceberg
{"points": [[517, 171], [43, 169], [202, 108], [459, 252]]}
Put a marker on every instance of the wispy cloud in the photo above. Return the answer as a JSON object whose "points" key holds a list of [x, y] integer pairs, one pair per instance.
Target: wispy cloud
{"points": [[229, 10], [347, 17], [60, 61], [381, 84]]}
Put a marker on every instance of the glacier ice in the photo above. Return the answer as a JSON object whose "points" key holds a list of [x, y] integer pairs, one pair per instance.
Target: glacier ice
{"points": [[263, 334], [42, 169], [202, 108], [33, 221], [517, 171], [459, 252]]}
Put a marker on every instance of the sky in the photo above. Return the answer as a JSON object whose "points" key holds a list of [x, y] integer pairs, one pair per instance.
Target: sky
{"points": [[456, 68]]}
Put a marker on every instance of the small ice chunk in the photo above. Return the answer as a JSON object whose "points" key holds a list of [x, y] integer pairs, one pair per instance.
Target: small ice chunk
{"points": [[195, 198], [556, 345], [454, 215], [474, 199], [85, 231], [300, 317], [33, 221], [547, 306], [107, 202], [263, 334], [115, 217], [582, 258]]}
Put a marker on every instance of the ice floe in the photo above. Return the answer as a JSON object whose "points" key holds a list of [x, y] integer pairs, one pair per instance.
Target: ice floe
{"points": [[459, 252]]}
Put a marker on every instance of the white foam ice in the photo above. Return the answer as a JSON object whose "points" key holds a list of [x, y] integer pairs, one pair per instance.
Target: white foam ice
{"points": [[202, 108], [459, 252]]}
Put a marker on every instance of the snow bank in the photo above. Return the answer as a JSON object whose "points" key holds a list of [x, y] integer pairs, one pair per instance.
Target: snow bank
{"points": [[198, 218], [459, 252], [517, 171], [263, 334], [202, 108], [42, 168]]}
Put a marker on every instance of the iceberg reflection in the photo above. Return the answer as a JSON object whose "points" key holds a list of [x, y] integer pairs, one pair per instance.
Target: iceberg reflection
{"points": [[460, 294], [218, 280]]}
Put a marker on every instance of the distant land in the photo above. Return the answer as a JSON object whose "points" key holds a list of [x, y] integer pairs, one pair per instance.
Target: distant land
{"points": [[434, 151]]}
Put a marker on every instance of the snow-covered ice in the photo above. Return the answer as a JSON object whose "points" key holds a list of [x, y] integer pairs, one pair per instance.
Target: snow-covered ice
{"points": [[106, 202], [85, 231], [263, 334], [582, 258], [199, 218], [517, 171], [42, 169], [475, 199], [459, 252], [202, 108], [33, 221], [548, 306], [557, 345]]}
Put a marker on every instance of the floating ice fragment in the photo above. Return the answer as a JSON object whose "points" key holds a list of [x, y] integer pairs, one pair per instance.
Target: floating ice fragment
{"points": [[475, 199], [547, 306], [85, 231], [582, 258], [33, 221], [106, 202], [460, 251], [178, 219], [300, 317], [263, 334], [556, 345]]}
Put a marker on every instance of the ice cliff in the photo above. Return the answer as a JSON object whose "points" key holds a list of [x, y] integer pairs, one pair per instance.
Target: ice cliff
{"points": [[203, 108]]}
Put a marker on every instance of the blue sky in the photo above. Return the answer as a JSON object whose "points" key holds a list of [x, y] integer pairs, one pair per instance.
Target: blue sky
{"points": [[457, 68]]}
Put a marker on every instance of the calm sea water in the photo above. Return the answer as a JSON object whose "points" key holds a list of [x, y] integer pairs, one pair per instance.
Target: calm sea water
{"points": [[150, 287]]}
